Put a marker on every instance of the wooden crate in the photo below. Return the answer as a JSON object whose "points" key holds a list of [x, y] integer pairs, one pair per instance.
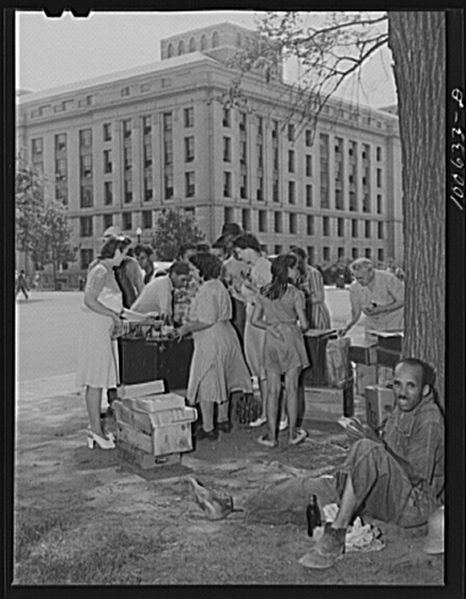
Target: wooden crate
{"points": [[158, 433], [144, 460]]}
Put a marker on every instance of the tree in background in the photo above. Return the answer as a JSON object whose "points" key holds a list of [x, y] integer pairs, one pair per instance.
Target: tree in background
{"points": [[42, 229], [29, 198], [328, 52], [174, 227]]}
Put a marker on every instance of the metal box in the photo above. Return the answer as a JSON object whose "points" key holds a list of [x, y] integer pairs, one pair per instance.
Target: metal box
{"points": [[389, 347], [380, 402], [363, 351]]}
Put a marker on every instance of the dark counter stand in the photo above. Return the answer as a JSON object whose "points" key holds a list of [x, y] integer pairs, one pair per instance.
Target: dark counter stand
{"points": [[142, 360], [389, 349]]}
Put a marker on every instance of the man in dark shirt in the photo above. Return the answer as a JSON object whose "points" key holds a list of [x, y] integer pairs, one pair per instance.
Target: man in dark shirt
{"points": [[143, 255], [397, 476]]}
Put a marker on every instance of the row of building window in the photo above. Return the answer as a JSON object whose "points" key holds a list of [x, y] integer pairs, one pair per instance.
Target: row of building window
{"points": [[85, 138], [189, 191], [86, 223]]}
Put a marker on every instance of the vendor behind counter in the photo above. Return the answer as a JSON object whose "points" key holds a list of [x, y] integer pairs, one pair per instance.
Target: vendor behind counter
{"points": [[377, 294]]}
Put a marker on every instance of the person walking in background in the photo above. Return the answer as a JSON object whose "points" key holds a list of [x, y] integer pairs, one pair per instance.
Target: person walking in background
{"points": [[278, 311], [22, 285], [217, 367], [103, 313], [311, 282]]}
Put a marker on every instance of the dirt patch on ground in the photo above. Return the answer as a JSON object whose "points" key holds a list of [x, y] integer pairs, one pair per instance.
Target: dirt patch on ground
{"points": [[86, 517]]}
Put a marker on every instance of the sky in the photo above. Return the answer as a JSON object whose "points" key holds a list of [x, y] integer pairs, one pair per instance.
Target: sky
{"points": [[51, 52]]}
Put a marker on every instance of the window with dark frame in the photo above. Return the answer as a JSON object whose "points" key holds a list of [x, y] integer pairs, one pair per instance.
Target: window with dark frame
{"points": [[146, 219], [108, 193], [189, 184], [127, 221], [189, 117]]}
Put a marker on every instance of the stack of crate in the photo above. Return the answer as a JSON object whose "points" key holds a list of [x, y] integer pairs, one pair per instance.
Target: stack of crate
{"points": [[152, 427]]}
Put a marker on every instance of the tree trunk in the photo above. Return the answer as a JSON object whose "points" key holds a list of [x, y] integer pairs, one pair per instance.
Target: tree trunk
{"points": [[417, 40]]}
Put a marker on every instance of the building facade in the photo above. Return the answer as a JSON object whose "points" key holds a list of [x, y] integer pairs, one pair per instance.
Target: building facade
{"points": [[118, 150]]}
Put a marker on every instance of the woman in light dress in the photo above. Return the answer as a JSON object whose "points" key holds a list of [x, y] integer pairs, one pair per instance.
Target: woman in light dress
{"points": [[247, 249], [217, 366], [103, 316], [280, 314], [311, 282]]}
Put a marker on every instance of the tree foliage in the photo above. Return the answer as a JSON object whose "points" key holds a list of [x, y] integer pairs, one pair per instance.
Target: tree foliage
{"points": [[334, 47], [175, 227], [42, 228], [327, 52]]}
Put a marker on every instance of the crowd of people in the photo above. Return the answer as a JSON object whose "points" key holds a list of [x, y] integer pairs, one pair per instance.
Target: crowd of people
{"points": [[247, 315]]}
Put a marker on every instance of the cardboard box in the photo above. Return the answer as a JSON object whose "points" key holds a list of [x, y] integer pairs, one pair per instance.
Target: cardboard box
{"points": [[380, 402], [157, 432]]}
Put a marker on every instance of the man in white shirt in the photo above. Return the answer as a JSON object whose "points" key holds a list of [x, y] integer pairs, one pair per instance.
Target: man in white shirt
{"points": [[157, 295], [379, 295]]}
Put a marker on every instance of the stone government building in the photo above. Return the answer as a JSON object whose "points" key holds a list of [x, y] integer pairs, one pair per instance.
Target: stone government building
{"points": [[118, 149]]}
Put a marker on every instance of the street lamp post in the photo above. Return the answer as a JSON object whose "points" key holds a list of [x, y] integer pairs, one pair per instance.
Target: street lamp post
{"points": [[138, 234]]}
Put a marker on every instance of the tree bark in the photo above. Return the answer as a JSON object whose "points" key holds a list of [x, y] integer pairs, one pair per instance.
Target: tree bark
{"points": [[417, 41]]}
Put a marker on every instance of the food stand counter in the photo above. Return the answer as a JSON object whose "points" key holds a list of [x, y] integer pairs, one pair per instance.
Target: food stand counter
{"points": [[144, 359]]}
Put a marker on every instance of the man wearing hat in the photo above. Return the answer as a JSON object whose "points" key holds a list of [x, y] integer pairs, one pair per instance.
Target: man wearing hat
{"points": [[233, 273]]}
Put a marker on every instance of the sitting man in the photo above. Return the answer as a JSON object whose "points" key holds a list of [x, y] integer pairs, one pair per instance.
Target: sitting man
{"points": [[157, 296], [397, 476], [378, 294]]}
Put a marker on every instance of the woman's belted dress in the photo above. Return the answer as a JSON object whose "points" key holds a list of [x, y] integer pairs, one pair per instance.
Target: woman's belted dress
{"points": [[217, 366]]}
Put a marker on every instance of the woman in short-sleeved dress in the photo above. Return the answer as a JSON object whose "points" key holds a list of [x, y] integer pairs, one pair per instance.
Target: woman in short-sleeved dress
{"points": [[247, 249], [102, 314], [280, 312], [217, 367], [311, 282]]}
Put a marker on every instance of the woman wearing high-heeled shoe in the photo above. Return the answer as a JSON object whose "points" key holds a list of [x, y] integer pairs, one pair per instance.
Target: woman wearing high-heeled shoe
{"points": [[103, 319]]}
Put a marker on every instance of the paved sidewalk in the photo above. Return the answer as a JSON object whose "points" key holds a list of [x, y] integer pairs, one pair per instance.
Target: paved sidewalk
{"points": [[47, 387]]}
